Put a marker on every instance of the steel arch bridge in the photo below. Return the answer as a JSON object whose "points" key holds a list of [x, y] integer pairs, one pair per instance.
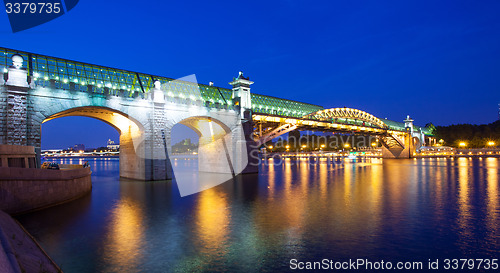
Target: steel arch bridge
{"points": [[394, 136]]}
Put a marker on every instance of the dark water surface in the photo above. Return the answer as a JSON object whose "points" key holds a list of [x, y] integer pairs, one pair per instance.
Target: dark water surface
{"points": [[395, 210]]}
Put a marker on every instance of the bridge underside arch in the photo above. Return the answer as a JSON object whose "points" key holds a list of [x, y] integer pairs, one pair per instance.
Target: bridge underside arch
{"points": [[208, 129], [216, 149], [131, 131]]}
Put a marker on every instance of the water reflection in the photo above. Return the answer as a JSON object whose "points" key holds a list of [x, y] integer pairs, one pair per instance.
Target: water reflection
{"points": [[493, 211], [305, 209], [212, 223], [464, 206], [125, 239]]}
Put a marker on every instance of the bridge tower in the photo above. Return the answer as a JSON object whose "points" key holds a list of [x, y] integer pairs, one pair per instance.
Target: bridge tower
{"points": [[401, 145], [409, 124], [241, 94], [419, 135], [243, 101]]}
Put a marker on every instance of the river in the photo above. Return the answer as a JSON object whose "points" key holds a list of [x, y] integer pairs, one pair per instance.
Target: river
{"points": [[392, 210]]}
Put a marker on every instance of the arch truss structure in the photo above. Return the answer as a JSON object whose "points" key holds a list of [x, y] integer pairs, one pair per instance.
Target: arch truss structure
{"points": [[340, 115]]}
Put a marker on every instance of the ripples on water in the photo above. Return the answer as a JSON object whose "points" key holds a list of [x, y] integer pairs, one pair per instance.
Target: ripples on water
{"points": [[396, 210]]}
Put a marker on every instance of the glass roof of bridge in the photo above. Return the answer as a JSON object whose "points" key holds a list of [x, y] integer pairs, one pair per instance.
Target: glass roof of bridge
{"points": [[46, 68], [400, 126]]}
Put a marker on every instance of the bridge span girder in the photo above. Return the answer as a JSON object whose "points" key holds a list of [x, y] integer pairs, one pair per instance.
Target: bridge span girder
{"points": [[395, 144]]}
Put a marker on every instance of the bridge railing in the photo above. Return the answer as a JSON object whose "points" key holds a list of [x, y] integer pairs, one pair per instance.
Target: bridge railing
{"points": [[104, 91]]}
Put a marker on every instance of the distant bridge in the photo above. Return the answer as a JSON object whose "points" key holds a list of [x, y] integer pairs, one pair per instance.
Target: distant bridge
{"points": [[231, 123]]}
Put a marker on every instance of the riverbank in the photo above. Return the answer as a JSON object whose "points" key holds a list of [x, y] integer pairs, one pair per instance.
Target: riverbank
{"points": [[23, 190], [27, 189], [19, 252]]}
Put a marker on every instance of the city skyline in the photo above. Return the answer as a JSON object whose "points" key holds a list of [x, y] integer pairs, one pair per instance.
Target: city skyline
{"points": [[76, 134]]}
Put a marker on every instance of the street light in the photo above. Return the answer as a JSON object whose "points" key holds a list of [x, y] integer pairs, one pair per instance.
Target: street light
{"points": [[374, 144], [347, 145], [462, 144], [491, 143], [322, 145]]}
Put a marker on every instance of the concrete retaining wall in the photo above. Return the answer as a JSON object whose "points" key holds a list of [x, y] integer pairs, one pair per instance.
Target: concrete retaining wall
{"points": [[23, 190]]}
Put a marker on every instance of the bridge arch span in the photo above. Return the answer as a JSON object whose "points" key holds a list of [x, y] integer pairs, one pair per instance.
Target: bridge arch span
{"points": [[333, 114], [206, 127], [221, 146], [131, 135], [116, 119]]}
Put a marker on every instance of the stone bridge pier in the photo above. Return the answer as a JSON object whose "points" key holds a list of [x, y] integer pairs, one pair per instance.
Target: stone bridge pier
{"points": [[144, 120]]}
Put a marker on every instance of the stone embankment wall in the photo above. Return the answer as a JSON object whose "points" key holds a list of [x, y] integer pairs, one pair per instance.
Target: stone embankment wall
{"points": [[23, 190]]}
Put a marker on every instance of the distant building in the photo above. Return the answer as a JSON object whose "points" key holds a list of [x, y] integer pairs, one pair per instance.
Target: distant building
{"points": [[78, 147], [112, 145], [184, 146]]}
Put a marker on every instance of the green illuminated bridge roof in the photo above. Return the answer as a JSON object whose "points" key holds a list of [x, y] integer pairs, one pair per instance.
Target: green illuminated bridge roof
{"points": [[44, 68]]}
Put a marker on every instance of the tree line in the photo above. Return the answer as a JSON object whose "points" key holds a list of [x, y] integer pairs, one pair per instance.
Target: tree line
{"points": [[474, 136]]}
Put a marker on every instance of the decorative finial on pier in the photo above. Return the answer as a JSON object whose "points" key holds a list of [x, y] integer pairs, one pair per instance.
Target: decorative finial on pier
{"points": [[17, 61]]}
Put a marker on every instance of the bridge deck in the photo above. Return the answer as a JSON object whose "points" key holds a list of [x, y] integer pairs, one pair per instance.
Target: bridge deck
{"points": [[45, 68], [95, 78]]}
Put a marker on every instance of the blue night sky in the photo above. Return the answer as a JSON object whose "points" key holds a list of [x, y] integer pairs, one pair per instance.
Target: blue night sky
{"points": [[435, 60]]}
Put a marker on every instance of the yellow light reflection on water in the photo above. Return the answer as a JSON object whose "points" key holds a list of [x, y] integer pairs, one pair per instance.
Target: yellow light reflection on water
{"points": [[464, 213], [375, 196], [212, 222], [290, 202], [492, 203], [440, 175], [123, 247], [271, 179], [347, 187], [323, 180]]}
